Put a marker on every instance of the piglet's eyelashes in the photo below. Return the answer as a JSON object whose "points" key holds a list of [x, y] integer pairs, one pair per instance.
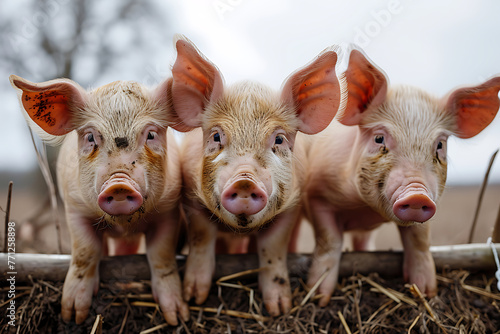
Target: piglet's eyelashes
{"points": [[216, 140], [90, 137], [217, 137], [440, 150], [279, 139], [152, 138], [150, 132], [90, 140], [440, 144], [379, 139]]}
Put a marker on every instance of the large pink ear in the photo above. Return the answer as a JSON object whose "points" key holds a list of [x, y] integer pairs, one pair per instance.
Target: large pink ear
{"points": [[474, 107], [163, 95], [50, 104], [314, 91], [196, 82], [366, 88]]}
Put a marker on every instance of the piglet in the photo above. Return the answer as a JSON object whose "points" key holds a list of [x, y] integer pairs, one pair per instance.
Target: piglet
{"points": [[239, 166], [119, 176], [384, 159]]}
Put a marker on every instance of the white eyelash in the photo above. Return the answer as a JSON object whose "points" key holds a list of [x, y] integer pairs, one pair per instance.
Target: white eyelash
{"points": [[277, 160], [221, 156]]}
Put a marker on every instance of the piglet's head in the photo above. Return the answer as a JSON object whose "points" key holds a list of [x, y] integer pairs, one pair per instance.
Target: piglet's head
{"points": [[249, 132], [403, 134], [121, 130]]}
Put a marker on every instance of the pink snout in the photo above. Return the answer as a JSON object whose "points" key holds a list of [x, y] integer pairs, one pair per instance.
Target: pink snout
{"points": [[416, 207], [120, 198], [244, 196]]}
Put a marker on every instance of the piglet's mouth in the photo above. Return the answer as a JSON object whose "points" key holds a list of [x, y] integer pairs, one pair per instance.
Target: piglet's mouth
{"points": [[243, 224], [120, 195]]}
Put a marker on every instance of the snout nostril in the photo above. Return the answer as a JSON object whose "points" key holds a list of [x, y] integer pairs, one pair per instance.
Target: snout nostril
{"points": [[109, 199], [254, 196], [234, 195], [425, 208], [130, 198], [405, 206]]}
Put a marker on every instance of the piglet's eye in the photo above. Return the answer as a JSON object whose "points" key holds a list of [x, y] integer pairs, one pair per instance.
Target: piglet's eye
{"points": [[440, 145], [151, 135], [379, 139], [217, 137], [279, 140], [90, 138]]}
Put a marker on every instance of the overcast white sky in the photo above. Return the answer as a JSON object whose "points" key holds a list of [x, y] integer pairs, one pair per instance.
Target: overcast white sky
{"points": [[435, 45]]}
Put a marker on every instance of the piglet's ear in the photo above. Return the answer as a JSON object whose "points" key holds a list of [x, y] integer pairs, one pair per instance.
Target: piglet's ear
{"points": [[196, 83], [314, 91], [474, 107], [163, 96], [366, 88], [50, 104]]}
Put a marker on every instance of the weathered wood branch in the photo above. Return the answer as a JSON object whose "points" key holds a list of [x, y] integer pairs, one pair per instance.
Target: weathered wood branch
{"points": [[473, 257], [495, 235]]}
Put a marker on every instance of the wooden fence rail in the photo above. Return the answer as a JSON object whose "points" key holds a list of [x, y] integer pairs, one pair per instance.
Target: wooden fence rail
{"points": [[51, 267]]}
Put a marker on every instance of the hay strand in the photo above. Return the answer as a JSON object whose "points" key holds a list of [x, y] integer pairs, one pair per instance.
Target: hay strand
{"points": [[7, 217], [45, 169], [382, 289], [344, 323], [481, 194], [240, 274], [232, 313], [97, 328], [154, 329]]}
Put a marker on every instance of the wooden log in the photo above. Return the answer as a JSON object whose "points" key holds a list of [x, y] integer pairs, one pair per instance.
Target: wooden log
{"points": [[51, 267]]}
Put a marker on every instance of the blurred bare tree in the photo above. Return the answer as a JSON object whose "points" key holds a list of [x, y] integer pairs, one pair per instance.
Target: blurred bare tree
{"points": [[80, 39], [89, 41]]}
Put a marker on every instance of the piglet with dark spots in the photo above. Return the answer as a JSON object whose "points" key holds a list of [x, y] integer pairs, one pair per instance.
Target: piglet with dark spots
{"points": [[384, 159], [119, 177], [239, 166]]}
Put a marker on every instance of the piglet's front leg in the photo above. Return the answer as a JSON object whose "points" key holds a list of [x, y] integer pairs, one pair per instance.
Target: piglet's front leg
{"points": [[272, 246], [82, 279], [418, 265], [328, 250], [200, 264], [161, 243]]}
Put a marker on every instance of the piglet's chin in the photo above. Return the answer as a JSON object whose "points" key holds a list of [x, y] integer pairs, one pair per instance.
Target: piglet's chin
{"points": [[240, 223]]}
